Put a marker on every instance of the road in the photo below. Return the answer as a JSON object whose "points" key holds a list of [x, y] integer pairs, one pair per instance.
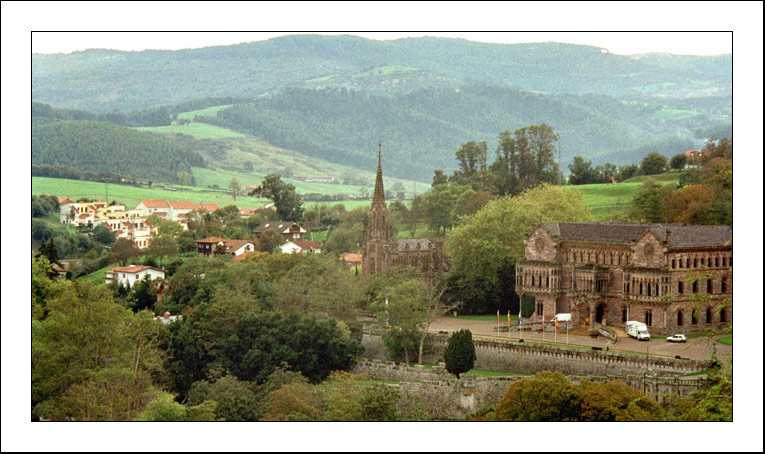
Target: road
{"points": [[699, 348]]}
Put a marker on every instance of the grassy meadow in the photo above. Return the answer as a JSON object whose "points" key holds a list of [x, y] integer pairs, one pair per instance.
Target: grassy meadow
{"points": [[198, 130]]}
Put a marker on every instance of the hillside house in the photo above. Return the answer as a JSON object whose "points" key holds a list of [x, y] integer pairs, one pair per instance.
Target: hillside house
{"points": [[129, 275], [172, 211], [289, 230], [213, 246], [301, 247], [693, 158], [79, 213]]}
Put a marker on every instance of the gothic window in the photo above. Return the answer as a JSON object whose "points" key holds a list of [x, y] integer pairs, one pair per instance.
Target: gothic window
{"points": [[628, 287], [693, 318], [540, 309], [724, 285], [695, 263], [648, 318], [648, 289], [624, 314], [724, 261], [709, 315], [695, 287], [533, 280], [709, 285], [641, 288], [679, 287], [717, 261], [679, 318], [722, 316], [673, 263]]}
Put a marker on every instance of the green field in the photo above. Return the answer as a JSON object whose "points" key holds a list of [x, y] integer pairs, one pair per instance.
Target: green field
{"points": [[726, 340], [612, 201], [130, 195], [198, 130], [208, 112]]}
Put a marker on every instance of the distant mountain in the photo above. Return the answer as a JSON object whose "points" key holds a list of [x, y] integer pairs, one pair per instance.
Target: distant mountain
{"points": [[104, 80]]}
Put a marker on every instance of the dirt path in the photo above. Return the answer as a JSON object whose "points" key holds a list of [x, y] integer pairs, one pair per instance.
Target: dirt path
{"points": [[699, 348]]}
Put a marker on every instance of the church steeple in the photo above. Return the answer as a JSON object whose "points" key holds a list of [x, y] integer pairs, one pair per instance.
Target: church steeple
{"points": [[379, 195]]}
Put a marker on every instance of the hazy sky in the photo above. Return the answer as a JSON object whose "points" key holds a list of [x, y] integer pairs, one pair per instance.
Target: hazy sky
{"points": [[681, 43]]}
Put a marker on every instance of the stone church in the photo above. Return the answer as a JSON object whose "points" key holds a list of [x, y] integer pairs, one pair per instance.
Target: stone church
{"points": [[674, 278], [381, 251]]}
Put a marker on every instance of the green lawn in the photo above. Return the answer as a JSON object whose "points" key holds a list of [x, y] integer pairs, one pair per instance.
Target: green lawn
{"points": [[726, 340], [198, 130], [612, 201], [130, 195]]}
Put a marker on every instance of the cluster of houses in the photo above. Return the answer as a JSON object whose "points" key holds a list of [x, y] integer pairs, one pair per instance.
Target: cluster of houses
{"points": [[129, 224]]}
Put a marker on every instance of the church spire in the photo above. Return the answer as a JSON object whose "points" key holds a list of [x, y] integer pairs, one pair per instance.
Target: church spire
{"points": [[379, 195]]}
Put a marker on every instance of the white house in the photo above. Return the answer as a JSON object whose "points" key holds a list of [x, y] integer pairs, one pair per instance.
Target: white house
{"points": [[129, 275], [218, 246], [300, 247]]}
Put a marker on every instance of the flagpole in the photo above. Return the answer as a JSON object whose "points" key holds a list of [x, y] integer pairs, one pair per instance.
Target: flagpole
{"points": [[566, 332], [508, 323], [520, 321]]}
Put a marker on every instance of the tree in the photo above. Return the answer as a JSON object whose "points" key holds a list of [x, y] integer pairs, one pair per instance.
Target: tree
{"points": [[294, 402], [162, 246], [654, 163], [484, 248], [459, 355], [287, 202], [237, 400], [581, 171], [439, 178], [443, 204], [50, 251], [647, 203], [692, 204], [103, 235], [549, 396], [235, 186], [183, 178], [163, 408], [269, 240], [471, 158], [678, 161], [313, 347], [123, 250]]}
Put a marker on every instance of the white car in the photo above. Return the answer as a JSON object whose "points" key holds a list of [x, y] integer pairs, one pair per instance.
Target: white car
{"points": [[676, 338]]}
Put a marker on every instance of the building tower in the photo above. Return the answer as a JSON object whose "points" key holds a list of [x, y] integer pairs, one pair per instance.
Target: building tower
{"points": [[376, 237]]}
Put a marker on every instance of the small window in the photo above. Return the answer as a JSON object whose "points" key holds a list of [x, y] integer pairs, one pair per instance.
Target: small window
{"points": [[624, 314], [730, 261], [695, 263], [648, 318], [724, 285], [628, 287], [693, 318], [695, 287], [717, 261], [679, 318], [723, 318], [703, 261], [709, 285], [709, 315], [641, 288], [724, 259], [679, 287], [648, 289], [540, 309], [673, 263]]}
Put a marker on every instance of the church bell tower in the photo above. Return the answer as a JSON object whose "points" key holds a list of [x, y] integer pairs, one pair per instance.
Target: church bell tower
{"points": [[377, 235]]}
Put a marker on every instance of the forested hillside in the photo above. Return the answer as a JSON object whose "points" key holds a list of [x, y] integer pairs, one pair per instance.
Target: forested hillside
{"points": [[104, 147], [422, 130], [131, 81]]}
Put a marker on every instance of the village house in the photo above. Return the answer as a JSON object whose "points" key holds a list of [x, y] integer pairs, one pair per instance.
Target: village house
{"points": [[79, 213], [351, 259], [213, 246], [289, 230], [693, 158], [129, 275], [674, 278], [300, 247], [172, 211]]}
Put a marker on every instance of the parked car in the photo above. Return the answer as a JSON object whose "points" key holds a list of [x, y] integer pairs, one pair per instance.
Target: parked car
{"points": [[676, 338]]}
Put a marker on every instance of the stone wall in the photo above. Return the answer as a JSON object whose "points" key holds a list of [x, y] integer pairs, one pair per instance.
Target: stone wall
{"points": [[445, 397], [511, 356]]}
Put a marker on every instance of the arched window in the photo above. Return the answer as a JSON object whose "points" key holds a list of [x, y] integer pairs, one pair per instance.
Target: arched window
{"points": [[709, 285], [648, 318], [722, 316], [695, 287], [717, 261], [673, 263], [724, 285], [709, 315], [624, 314], [679, 318], [679, 287], [693, 318]]}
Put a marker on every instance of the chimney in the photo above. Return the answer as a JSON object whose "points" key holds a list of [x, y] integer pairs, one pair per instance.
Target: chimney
{"points": [[669, 236]]}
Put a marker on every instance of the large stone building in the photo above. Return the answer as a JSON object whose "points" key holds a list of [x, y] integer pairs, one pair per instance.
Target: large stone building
{"points": [[382, 251], [674, 278]]}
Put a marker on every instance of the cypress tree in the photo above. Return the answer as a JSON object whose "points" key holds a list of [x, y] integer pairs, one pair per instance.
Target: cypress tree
{"points": [[459, 355]]}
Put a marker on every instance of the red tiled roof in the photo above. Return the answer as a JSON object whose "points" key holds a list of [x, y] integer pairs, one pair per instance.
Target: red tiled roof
{"points": [[242, 256], [307, 244], [210, 207], [350, 258], [210, 239], [183, 205], [131, 269], [155, 203]]}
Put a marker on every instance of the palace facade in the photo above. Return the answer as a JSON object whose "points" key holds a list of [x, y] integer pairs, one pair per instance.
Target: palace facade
{"points": [[674, 278], [382, 251]]}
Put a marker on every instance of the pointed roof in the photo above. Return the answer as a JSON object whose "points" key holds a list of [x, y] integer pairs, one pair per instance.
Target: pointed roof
{"points": [[379, 196]]}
